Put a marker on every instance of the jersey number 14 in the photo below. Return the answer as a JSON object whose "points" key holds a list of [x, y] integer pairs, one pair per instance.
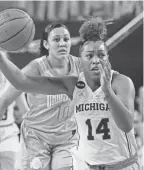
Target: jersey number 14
{"points": [[101, 128]]}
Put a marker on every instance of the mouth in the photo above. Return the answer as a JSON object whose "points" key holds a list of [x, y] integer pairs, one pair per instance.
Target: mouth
{"points": [[62, 51], [95, 69]]}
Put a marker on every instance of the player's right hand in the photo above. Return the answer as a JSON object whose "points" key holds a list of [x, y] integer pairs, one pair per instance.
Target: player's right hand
{"points": [[105, 76]]}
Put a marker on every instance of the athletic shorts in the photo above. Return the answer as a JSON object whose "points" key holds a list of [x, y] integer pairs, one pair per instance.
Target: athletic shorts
{"points": [[79, 164], [36, 154]]}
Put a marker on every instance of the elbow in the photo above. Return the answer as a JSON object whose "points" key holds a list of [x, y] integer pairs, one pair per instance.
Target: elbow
{"points": [[127, 127], [17, 85], [21, 87], [130, 124]]}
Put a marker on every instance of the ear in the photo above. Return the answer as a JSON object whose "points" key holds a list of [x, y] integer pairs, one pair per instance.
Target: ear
{"points": [[45, 44]]}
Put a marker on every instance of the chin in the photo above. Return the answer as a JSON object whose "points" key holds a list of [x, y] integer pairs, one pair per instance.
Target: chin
{"points": [[96, 73], [63, 55]]}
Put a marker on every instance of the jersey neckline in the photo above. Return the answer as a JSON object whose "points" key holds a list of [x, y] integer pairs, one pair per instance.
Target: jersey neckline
{"points": [[51, 69], [99, 88]]}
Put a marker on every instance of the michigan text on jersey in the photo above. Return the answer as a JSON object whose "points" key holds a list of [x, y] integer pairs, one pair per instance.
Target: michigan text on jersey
{"points": [[92, 106]]}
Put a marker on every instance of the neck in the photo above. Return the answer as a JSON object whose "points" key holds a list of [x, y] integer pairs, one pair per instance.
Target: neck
{"points": [[59, 66], [92, 82], [58, 62]]}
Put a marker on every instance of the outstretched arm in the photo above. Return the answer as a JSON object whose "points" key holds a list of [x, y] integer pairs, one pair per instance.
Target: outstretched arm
{"points": [[36, 84], [9, 93]]}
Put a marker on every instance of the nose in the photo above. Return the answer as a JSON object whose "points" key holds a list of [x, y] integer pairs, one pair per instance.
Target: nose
{"points": [[95, 60], [62, 42]]}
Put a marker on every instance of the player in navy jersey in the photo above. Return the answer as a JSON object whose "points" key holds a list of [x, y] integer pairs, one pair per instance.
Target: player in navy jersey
{"points": [[103, 100]]}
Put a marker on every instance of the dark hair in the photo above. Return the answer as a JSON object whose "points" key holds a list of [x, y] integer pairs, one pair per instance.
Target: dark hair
{"points": [[47, 30], [93, 29]]}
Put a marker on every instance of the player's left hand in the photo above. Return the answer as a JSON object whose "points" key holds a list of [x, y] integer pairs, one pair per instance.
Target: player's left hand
{"points": [[105, 76]]}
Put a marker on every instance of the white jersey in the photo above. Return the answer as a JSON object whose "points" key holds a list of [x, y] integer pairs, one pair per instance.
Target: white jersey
{"points": [[51, 116], [8, 129], [101, 141], [8, 117]]}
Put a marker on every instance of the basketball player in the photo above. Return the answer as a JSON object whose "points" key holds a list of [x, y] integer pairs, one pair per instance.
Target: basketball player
{"points": [[9, 131], [104, 103], [104, 113], [48, 129]]}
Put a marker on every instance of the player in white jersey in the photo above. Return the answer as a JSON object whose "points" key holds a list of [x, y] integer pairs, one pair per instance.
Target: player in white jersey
{"points": [[9, 131], [49, 128], [103, 100], [104, 107]]}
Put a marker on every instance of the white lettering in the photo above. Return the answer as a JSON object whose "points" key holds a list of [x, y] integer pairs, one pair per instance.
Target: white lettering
{"points": [[55, 99]]}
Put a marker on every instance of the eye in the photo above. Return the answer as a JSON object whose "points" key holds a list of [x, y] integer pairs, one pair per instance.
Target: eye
{"points": [[89, 56], [56, 39], [101, 55], [66, 39]]}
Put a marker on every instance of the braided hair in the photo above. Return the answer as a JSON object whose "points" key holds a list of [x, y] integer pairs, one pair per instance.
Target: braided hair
{"points": [[93, 29]]}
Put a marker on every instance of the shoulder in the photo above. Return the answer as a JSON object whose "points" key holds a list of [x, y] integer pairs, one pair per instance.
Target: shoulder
{"points": [[77, 61], [32, 68], [37, 60], [122, 82], [121, 78], [74, 58]]}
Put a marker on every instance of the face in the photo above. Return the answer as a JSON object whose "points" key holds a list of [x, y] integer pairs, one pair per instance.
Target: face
{"points": [[92, 54], [59, 42]]}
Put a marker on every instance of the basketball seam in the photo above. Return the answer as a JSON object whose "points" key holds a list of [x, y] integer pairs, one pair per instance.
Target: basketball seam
{"points": [[26, 41], [7, 10], [16, 33], [12, 20]]}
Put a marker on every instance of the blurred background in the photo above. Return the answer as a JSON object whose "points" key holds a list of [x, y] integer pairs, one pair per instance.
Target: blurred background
{"points": [[126, 54], [126, 57]]}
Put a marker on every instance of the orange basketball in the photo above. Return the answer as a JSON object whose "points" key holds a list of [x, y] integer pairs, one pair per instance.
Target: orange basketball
{"points": [[17, 29]]}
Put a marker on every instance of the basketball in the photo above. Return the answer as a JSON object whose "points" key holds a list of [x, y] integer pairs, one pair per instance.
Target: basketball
{"points": [[17, 29]]}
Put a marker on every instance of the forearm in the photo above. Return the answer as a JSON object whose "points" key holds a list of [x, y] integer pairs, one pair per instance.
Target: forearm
{"points": [[122, 116], [21, 81], [36, 84], [11, 72], [7, 97]]}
